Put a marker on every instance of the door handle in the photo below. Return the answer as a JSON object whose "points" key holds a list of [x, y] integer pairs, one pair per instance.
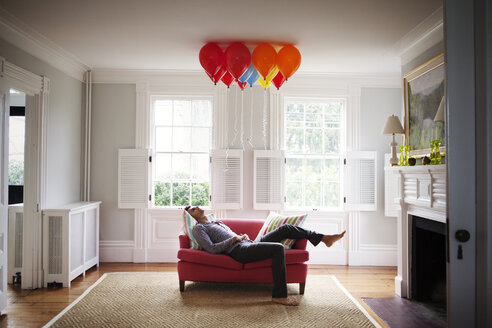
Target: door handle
{"points": [[462, 235]]}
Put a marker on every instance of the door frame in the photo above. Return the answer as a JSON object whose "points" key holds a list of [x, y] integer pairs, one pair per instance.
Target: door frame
{"points": [[37, 90]]}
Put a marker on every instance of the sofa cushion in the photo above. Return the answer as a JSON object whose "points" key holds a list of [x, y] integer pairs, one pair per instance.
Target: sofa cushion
{"points": [[188, 224], [291, 256], [275, 220], [202, 257]]}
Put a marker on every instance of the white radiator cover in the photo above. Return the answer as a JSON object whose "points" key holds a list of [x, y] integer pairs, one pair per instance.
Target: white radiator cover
{"points": [[15, 235], [70, 241]]}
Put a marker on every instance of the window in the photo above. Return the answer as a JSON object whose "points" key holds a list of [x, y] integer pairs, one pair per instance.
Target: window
{"points": [[17, 131], [16, 150], [182, 135], [314, 136]]}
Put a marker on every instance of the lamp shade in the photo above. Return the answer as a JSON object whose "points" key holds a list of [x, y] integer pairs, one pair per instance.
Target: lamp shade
{"points": [[393, 126], [440, 112]]}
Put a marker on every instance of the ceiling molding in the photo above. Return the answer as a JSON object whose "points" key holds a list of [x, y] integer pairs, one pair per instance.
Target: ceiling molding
{"points": [[133, 76], [425, 35], [22, 36], [198, 78]]}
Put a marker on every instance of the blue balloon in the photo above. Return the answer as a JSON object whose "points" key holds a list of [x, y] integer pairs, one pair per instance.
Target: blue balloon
{"points": [[247, 74], [253, 78]]}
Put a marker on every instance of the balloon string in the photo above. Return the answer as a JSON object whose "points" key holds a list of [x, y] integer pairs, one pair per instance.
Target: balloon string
{"points": [[227, 132], [250, 139], [235, 119], [264, 120], [242, 119]]}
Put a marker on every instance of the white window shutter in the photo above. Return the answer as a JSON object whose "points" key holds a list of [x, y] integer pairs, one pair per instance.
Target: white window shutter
{"points": [[268, 191], [360, 170], [227, 179], [133, 178]]}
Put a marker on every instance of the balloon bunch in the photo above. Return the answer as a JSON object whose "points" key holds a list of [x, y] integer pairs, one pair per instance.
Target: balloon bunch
{"points": [[237, 64]]}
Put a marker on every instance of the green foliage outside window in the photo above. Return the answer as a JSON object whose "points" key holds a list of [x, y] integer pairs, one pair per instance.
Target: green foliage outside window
{"points": [[181, 194], [16, 172]]}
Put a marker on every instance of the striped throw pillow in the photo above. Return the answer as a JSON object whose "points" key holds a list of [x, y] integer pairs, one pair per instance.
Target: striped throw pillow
{"points": [[189, 223], [275, 220]]}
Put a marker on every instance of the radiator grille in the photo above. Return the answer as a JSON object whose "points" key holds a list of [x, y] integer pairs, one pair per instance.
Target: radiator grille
{"points": [[55, 245], [18, 228]]}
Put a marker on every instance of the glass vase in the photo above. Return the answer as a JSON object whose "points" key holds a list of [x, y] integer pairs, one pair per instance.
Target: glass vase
{"points": [[432, 153], [437, 152], [407, 153], [402, 155]]}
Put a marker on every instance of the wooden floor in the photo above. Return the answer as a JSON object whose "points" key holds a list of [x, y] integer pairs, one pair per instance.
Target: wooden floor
{"points": [[34, 308]]}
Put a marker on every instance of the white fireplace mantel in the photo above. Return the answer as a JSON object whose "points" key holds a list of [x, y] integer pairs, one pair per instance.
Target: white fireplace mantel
{"points": [[413, 191]]}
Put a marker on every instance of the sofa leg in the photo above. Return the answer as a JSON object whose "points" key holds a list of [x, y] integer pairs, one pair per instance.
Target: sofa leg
{"points": [[302, 285], [182, 285]]}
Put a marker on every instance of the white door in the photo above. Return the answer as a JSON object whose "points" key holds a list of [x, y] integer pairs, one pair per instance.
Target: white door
{"points": [[4, 150], [461, 159]]}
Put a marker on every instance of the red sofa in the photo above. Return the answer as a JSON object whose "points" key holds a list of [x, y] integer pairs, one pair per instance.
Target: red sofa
{"points": [[198, 265]]}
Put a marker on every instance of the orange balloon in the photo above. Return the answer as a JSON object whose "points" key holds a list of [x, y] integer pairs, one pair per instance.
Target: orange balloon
{"points": [[264, 59], [288, 60]]}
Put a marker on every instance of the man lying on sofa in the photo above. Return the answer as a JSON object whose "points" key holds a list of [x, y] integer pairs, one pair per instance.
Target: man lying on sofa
{"points": [[217, 238]]}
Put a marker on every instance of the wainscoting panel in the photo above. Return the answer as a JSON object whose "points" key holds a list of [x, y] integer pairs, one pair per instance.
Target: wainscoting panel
{"points": [[164, 226], [163, 236], [335, 255]]}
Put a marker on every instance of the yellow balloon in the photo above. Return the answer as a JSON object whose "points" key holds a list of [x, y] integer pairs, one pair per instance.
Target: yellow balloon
{"points": [[272, 75], [264, 84]]}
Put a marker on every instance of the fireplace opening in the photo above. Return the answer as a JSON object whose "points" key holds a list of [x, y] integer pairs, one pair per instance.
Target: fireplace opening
{"points": [[428, 278]]}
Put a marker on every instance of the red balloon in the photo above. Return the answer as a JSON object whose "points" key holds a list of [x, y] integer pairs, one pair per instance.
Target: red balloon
{"points": [[237, 58], [210, 76], [242, 84], [220, 73], [227, 79], [211, 58], [278, 80]]}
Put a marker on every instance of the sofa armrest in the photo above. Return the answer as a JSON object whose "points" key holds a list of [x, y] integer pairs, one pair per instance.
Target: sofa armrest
{"points": [[184, 241], [300, 244]]}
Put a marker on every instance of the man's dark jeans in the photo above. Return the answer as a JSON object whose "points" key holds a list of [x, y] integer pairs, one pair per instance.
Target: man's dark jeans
{"points": [[269, 247]]}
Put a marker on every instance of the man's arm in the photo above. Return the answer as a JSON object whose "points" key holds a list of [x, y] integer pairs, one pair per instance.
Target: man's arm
{"points": [[206, 243]]}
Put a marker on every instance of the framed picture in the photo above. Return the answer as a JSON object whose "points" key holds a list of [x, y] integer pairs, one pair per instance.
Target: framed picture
{"points": [[424, 90]]}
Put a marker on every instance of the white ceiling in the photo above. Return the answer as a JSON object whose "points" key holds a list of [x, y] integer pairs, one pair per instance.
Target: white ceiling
{"points": [[333, 36]]}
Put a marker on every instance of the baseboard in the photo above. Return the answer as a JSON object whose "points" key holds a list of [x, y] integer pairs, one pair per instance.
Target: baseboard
{"points": [[375, 255], [168, 255], [399, 286], [116, 251]]}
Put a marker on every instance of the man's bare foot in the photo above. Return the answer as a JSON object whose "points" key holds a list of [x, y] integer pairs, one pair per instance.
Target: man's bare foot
{"points": [[331, 239], [289, 301]]}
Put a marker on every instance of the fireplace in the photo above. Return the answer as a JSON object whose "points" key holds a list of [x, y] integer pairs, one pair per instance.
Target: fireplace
{"points": [[428, 262], [416, 195]]}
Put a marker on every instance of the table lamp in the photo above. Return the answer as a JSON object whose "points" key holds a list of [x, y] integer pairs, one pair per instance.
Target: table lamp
{"points": [[392, 127], [440, 112]]}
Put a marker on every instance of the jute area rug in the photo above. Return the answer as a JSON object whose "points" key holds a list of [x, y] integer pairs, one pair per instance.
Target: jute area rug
{"points": [[147, 299]]}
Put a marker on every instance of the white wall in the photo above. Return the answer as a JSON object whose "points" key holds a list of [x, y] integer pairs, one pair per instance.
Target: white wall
{"points": [[113, 127], [114, 113], [64, 123], [377, 104]]}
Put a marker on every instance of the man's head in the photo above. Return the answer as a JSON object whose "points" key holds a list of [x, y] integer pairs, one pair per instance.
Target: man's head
{"points": [[197, 213]]}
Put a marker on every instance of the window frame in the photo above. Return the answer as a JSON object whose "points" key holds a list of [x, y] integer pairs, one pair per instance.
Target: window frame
{"points": [[343, 148], [152, 140]]}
